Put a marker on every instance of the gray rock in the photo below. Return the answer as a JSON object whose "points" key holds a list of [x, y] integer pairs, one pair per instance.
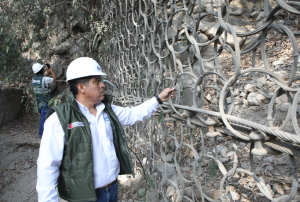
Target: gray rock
{"points": [[224, 160], [284, 107], [169, 157], [280, 22], [196, 9], [208, 97], [242, 94], [172, 145], [211, 32], [250, 88], [260, 24], [141, 192], [170, 191], [155, 175], [255, 99], [62, 36], [236, 92], [238, 11], [238, 21], [222, 150], [261, 16], [244, 166], [242, 144], [255, 14], [58, 69], [5, 173], [206, 26], [1, 186], [281, 99], [233, 196], [12, 166], [228, 100], [209, 9], [61, 50], [230, 40], [270, 168], [27, 166], [8, 177], [261, 80], [206, 52], [215, 101], [161, 168], [268, 159], [278, 62], [151, 196], [201, 38]]}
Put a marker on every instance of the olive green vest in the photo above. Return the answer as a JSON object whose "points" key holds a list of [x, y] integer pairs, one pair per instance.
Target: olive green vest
{"points": [[76, 179]]}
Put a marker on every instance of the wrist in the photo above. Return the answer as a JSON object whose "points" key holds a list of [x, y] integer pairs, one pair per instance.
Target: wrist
{"points": [[158, 99]]}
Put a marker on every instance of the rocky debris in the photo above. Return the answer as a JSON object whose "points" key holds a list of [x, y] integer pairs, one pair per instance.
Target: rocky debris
{"points": [[260, 16], [284, 107], [170, 191], [215, 101], [169, 157], [255, 99], [160, 167], [208, 97], [244, 166], [233, 196], [250, 88], [238, 11], [236, 92], [172, 145], [255, 14], [141, 192], [213, 194], [268, 159], [243, 94], [222, 150], [281, 99], [278, 62], [151, 196], [12, 166]]}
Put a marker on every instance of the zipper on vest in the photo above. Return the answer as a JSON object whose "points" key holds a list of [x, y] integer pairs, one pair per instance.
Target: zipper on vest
{"points": [[69, 176]]}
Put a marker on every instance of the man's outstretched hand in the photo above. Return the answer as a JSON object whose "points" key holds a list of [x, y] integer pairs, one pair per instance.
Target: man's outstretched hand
{"points": [[164, 95]]}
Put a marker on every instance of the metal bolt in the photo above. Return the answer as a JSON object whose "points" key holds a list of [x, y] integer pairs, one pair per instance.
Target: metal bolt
{"points": [[257, 136]]}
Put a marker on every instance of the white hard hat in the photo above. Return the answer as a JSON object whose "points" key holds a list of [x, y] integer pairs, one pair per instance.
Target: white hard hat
{"points": [[83, 67], [36, 67]]}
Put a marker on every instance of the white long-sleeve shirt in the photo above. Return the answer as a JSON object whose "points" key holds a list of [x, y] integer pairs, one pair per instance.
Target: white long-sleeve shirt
{"points": [[106, 165]]}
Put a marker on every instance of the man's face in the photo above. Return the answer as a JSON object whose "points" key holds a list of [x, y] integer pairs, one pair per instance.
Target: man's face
{"points": [[94, 91]]}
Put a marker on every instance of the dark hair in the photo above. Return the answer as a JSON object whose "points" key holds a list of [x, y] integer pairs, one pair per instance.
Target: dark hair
{"points": [[73, 83], [40, 72]]}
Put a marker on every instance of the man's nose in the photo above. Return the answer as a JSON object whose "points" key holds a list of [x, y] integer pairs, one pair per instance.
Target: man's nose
{"points": [[102, 85]]}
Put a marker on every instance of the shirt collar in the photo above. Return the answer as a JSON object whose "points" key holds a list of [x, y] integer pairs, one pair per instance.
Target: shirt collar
{"points": [[84, 109]]}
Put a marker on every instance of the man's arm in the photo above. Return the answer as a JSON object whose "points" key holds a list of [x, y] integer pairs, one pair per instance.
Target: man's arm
{"points": [[49, 160], [129, 116]]}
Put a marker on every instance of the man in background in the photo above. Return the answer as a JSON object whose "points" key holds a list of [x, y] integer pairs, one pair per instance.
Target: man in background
{"points": [[42, 91]]}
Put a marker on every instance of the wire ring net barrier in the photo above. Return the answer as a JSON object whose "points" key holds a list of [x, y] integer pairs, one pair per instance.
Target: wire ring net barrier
{"points": [[193, 148]]}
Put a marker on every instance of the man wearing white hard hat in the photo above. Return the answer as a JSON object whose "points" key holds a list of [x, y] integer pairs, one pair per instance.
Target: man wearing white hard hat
{"points": [[42, 91], [84, 148]]}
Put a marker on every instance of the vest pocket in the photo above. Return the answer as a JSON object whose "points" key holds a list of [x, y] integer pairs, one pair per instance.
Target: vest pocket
{"points": [[69, 176]]}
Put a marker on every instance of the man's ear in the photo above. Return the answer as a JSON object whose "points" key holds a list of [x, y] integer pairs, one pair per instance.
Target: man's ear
{"points": [[81, 88]]}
